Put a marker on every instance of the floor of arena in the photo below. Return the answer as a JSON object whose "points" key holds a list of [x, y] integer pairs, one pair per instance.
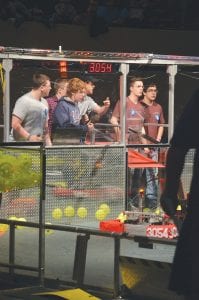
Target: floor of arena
{"points": [[144, 270]]}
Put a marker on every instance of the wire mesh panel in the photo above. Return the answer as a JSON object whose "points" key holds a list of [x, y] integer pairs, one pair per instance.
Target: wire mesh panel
{"points": [[20, 177], [187, 172], [84, 185]]}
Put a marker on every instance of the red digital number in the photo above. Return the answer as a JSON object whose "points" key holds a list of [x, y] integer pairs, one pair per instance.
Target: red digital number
{"points": [[99, 67], [109, 68], [103, 67], [92, 67]]}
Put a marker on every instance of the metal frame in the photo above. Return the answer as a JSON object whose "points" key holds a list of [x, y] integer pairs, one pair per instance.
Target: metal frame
{"points": [[80, 255], [41, 222], [8, 54], [81, 242]]}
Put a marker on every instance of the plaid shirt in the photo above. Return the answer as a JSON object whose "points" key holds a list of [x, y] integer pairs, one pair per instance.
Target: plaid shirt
{"points": [[52, 103]]}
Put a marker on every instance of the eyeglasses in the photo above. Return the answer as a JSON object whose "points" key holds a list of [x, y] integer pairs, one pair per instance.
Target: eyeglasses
{"points": [[152, 91]]}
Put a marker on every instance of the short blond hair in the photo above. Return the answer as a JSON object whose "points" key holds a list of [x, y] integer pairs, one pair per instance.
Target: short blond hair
{"points": [[59, 83]]}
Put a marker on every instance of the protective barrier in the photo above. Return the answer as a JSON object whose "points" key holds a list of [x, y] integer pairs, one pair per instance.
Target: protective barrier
{"points": [[70, 189], [81, 181], [20, 182]]}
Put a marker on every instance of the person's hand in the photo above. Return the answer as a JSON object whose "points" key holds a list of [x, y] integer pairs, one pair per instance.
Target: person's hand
{"points": [[90, 126], [146, 150], [35, 138], [107, 102], [85, 119], [169, 204]]}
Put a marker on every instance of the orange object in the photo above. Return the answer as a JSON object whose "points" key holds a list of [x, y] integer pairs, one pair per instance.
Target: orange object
{"points": [[23, 202], [137, 160], [112, 226], [63, 69], [23, 206]]}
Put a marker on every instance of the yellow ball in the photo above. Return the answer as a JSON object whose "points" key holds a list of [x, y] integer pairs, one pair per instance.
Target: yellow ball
{"points": [[22, 220], [69, 211], [100, 214], [157, 211], [122, 217], [82, 212], [105, 207], [57, 213], [146, 210], [3, 227], [12, 218]]}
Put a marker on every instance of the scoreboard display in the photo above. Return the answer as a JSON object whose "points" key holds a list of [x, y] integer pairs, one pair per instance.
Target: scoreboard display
{"points": [[100, 67]]}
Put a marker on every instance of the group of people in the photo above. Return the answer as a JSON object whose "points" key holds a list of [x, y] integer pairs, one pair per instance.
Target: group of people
{"points": [[144, 118], [141, 108], [69, 108], [72, 103], [37, 117]]}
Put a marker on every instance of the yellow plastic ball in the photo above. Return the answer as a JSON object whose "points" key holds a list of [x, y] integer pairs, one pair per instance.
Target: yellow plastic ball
{"points": [[157, 211], [69, 211], [22, 220], [12, 218], [146, 210], [4, 227], [122, 217], [100, 214], [105, 207], [82, 212], [57, 213]]}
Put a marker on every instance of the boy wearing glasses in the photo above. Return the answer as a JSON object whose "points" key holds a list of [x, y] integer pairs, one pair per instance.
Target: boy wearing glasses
{"points": [[154, 117]]}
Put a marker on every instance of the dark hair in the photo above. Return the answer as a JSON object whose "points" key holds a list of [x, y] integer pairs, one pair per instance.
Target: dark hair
{"points": [[152, 84], [91, 79], [134, 79], [38, 80]]}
